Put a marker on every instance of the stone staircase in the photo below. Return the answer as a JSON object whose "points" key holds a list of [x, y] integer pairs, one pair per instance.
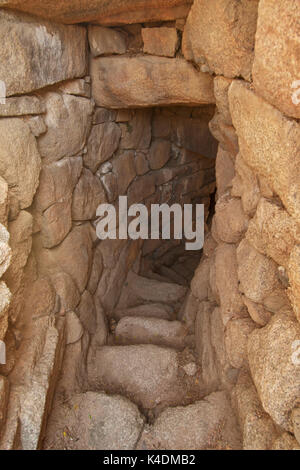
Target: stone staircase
{"points": [[145, 387]]}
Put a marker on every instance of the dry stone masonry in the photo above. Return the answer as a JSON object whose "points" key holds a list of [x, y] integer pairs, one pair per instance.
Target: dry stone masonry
{"points": [[140, 344]]}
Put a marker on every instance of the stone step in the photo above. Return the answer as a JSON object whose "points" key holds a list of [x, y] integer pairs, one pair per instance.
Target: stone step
{"points": [[151, 376], [155, 310], [140, 289], [172, 275], [205, 425], [94, 421], [141, 330]]}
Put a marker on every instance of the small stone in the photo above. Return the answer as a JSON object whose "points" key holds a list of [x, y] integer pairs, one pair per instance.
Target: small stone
{"points": [[160, 41], [106, 41], [74, 328], [190, 369]]}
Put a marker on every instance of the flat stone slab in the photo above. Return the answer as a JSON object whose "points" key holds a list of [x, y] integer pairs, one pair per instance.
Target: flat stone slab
{"points": [[143, 81], [150, 376], [139, 330]]}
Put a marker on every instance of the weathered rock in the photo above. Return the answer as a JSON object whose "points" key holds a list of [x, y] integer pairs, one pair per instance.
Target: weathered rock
{"points": [[160, 41], [57, 182], [258, 277], [66, 290], [200, 282], [5, 298], [296, 423], [110, 185], [207, 424], [141, 163], [141, 289], [294, 278], [4, 395], [20, 242], [193, 134], [275, 375], [87, 312], [159, 154], [139, 330], [285, 442], [146, 374], [88, 195], [227, 282], [74, 251], [230, 219], [257, 312], [136, 134], [41, 53], [224, 171], [222, 34], [276, 64], [78, 87], [113, 13], [37, 125], [224, 134], [103, 142], [161, 81], [246, 186], [155, 310], [5, 250], [102, 115], [96, 271], [101, 422], [236, 337], [204, 348], [273, 232], [67, 115], [4, 203], [269, 143], [221, 87], [124, 168], [21, 106], [74, 330], [257, 427], [105, 41], [19, 144]]}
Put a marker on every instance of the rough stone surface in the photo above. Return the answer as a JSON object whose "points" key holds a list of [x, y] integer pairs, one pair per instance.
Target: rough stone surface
{"points": [[113, 13], [101, 422], [74, 330], [227, 282], [67, 291], [276, 65], [236, 337], [221, 87], [159, 154], [246, 186], [269, 143], [258, 277], [148, 81], [271, 362], [67, 115], [155, 310], [74, 251], [40, 53], [294, 278], [88, 195], [147, 374], [207, 424], [138, 330], [273, 232], [19, 144], [105, 41], [160, 41], [230, 219], [21, 106], [124, 168], [103, 142], [222, 33], [224, 171]]}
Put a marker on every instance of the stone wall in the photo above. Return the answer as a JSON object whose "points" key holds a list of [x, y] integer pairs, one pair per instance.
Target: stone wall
{"points": [[74, 133], [247, 323], [61, 156]]}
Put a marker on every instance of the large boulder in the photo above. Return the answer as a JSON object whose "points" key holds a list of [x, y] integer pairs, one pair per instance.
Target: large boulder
{"points": [[40, 53], [18, 145], [207, 424], [269, 143], [119, 82], [100, 422], [221, 33], [113, 12], [277, 55], [66, 115], [276, 375]]}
